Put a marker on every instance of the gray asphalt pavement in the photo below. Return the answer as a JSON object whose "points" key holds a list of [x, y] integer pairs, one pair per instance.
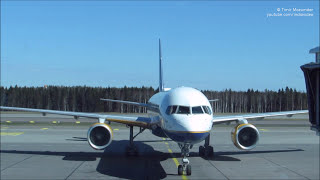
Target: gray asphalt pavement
{"points": [[54, 151]]}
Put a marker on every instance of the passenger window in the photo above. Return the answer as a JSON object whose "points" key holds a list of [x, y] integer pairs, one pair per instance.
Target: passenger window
{"points": [[183, 110], [197, 110]]}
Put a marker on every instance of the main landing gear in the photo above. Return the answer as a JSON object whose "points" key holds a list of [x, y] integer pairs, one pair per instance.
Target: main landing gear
{"points": [[206, 150], [185, 167], [131, 149]]}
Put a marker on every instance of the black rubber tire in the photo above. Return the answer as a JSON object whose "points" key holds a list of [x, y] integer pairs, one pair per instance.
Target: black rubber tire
{"points": [[208, 152], [180, 170], [188, 170], [201, 150], [131, 151], [136, 152], [211, 151]]}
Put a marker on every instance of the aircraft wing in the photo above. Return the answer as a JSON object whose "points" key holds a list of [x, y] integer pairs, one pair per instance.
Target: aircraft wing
{"points": [[129, 120], [125, 102], [228, 119], [213, 100]]}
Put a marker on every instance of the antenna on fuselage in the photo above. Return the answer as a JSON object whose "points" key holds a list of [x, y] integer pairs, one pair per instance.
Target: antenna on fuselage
{"points": [[161, 87]]}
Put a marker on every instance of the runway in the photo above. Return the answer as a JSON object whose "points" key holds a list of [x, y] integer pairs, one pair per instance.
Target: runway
{"points": [[287, 150]]}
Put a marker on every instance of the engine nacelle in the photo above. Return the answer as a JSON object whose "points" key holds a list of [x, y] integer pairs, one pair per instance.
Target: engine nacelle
{"points": [[245, 136], [100, 135]]}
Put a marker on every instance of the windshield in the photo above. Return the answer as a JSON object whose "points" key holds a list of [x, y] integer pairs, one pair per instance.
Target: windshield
{"points": [[188, 110], [171, 110], [183, 110], [207, 109], [197, 110]]}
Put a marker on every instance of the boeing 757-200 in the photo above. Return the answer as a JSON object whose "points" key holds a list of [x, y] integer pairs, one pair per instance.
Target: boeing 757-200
{"points": [[183, 114]]}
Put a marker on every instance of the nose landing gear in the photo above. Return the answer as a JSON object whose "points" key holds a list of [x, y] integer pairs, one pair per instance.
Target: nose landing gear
{"points": [[185, 167]]}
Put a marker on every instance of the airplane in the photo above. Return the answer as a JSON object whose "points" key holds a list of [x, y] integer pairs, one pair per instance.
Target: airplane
{"points": [[183, 114]]}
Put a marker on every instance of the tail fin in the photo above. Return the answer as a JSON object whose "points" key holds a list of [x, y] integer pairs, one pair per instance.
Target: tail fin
{"points": [[161, 86]]}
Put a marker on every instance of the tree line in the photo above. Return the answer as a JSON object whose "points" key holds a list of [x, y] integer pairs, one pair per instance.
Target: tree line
{"points": [[87, 99]]}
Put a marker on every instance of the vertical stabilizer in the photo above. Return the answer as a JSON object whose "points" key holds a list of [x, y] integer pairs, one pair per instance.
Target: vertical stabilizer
{"points": [[161, 87]]}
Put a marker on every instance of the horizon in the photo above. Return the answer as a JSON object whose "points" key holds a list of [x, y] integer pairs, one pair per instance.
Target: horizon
{"points": [[120, 87]]}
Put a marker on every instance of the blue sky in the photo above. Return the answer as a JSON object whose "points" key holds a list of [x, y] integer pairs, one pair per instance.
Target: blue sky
{"points": [[207, 45]]}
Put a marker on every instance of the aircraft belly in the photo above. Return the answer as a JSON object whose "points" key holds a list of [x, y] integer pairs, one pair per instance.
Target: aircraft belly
{"points": [[187, 137]]}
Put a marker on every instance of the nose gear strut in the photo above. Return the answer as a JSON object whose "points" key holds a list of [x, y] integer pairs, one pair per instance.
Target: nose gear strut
{"points": [[185, 167]]}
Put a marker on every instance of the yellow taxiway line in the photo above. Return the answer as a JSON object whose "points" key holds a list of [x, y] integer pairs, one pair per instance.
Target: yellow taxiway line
{"points": [[174, 159], [11, 133]]}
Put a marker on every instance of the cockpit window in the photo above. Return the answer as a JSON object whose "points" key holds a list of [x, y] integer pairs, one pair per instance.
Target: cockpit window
{"points": [[174, 109], [183, 110], [171, 110], [197, 110], [207, 109]]}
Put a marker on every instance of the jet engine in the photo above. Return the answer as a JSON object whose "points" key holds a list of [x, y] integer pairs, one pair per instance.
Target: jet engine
{"points": [[245, 136], [100, 135]]}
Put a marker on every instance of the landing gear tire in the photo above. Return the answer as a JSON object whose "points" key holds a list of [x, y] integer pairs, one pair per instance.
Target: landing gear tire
{"points": [[180, 170], [208, 151], [188, 170], [185, 167], [201, 151], [131, 151]]}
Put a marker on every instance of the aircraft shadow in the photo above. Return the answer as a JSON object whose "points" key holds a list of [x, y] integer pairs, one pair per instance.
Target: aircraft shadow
{"points": [[113, 161], [146, 141], [256, 152], [144, 166], [223, 156], [167, 140], [77, 139]]}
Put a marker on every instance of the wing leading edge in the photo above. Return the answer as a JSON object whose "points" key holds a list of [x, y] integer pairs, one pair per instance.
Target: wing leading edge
{"points": [[129, 120], [126, 102], [226, 119]]}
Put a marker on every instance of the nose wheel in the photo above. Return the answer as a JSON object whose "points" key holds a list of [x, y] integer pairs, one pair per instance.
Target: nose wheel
{"points": [[185, 167]]}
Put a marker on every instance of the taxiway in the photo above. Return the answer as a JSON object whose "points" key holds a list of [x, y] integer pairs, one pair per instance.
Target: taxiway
{"points": [[287, 150]]}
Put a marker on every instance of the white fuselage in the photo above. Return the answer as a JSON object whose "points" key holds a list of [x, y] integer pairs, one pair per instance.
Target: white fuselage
{"points": [[184, 114]]}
